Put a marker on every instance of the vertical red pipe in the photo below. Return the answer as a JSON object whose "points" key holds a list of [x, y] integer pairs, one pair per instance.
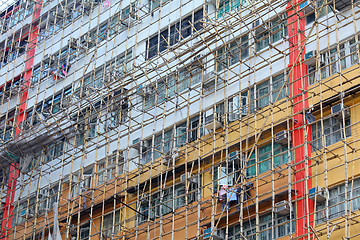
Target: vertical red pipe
{"points": [[298, 91], [14, 172]]}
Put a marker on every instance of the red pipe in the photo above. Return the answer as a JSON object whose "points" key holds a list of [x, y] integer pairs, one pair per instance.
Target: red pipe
{"points": [[298, 92], [14, 172]]}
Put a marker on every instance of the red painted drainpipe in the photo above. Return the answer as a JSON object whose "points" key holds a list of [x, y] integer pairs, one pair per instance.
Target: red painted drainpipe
{"points": [[14, 172], [298, 91]]}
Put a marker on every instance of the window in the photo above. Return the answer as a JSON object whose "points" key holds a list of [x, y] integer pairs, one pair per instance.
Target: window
{"points": [[186, 133], [280, 226], [320, 11], [15, 14], [7, 129], [61, 16], [354, 58], [156, 3], [54, 150], [89, 128], [160, 42], [110, 224], [127, 11], [12, 48], [237, 107], [163, 144], [163, 202], [228, 172], [233, 52], [75, 185], [114, 25], [111, 70], [44, 109], [25, 210], [84, 232], [312, 75], [226, 6], [118, 113], [341, 5], [171, 85], [268, 91], [41, 71], [161, 148], [47, 197], [12, 88], [333, 131], [262, 157], [332, 61], [97, 35], [337, 201], [337, 59], [81, 182], [107, 168], [270, 32]]}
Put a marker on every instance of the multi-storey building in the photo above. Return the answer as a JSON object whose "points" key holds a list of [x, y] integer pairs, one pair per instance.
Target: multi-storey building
{"points": [[165, 119]]}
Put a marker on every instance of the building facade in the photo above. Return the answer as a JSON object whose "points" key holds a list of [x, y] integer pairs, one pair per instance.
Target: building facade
{"points": [[165, 119]]}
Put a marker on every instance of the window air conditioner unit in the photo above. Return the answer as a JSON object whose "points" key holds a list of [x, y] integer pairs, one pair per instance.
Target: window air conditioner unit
{"points": [[54, 58], [110, 124], [66, 102], [282, 137], [43, 193], [259, 25], [60, 12], [338, 108], [197, 61], [234, 116], [212, 119], [216, 234], [310, 58], [52, 16], [121, 156], [282, 208], [307, 7], [87, 4], [31, 213], [137, 144], [213, 2], [317, 194], [129, 20], [209, 79], [185, 176], [175, 152], [143, 91], [73, 43], [341, 4]]}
